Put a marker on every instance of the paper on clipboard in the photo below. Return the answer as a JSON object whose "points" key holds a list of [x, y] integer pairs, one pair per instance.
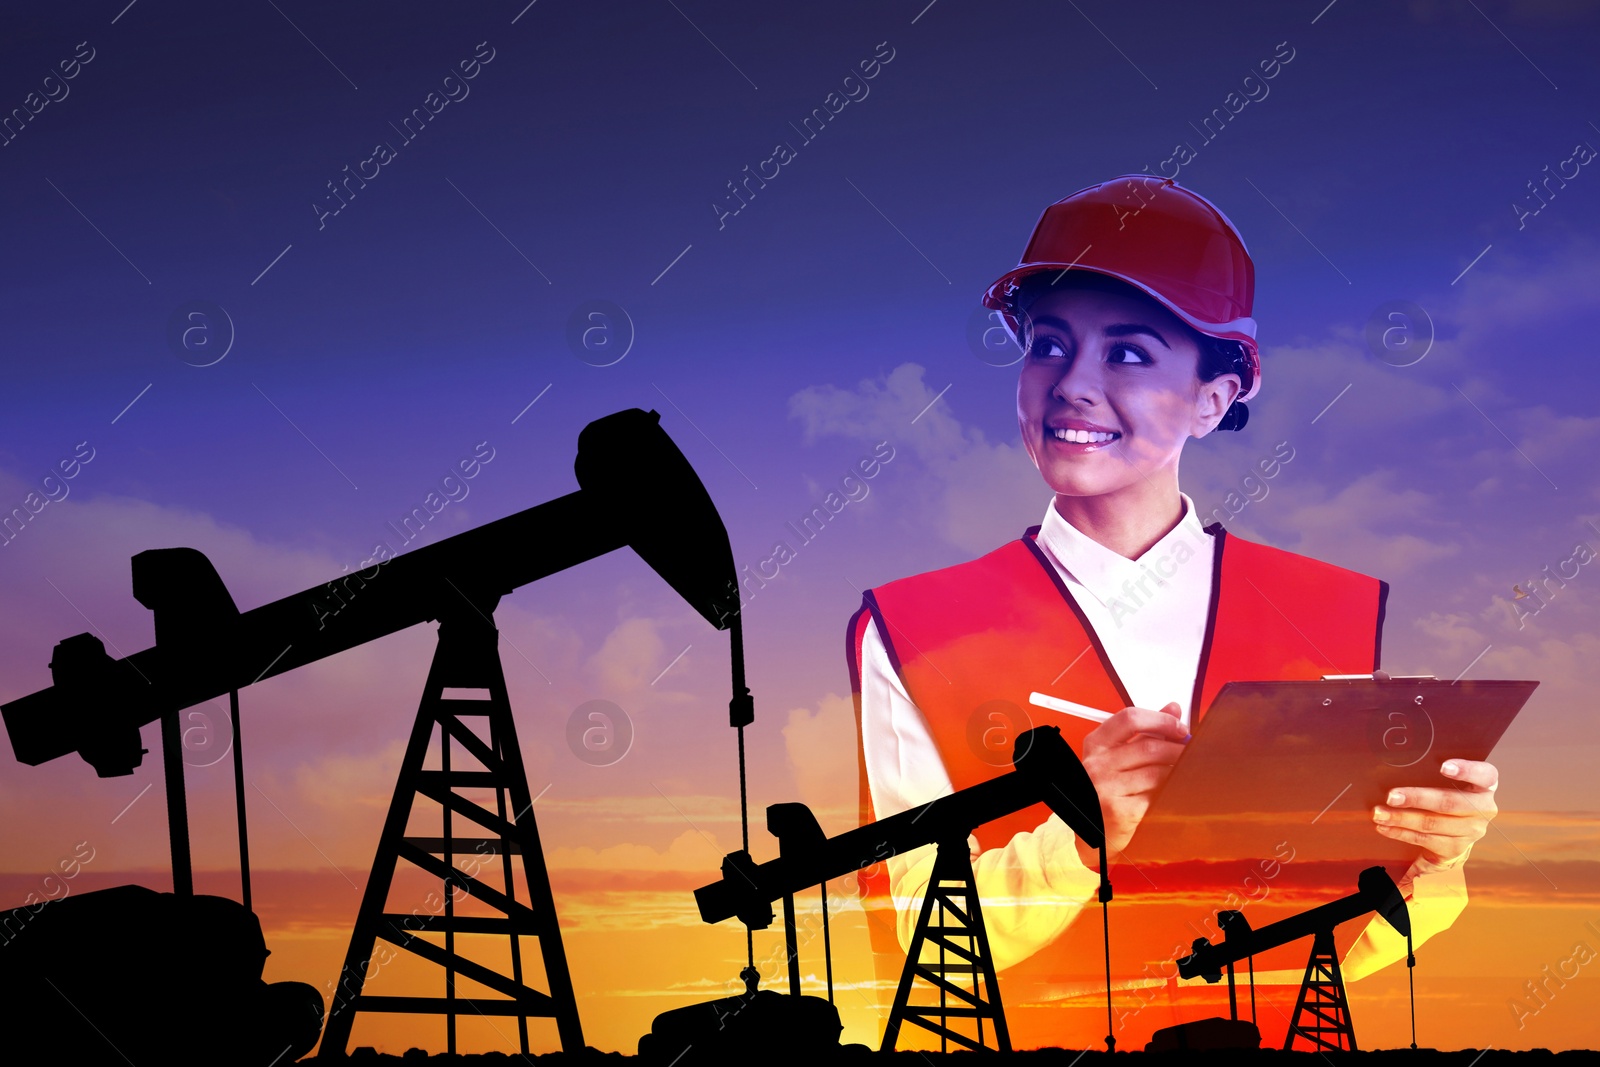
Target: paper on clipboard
{"points": [[1305, 762]]}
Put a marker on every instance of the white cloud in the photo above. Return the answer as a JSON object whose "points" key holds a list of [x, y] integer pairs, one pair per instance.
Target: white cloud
{"points": [[689, 851], [1371, 520], [1452, 635], [630, 656], [822, 757], [976, 493]]}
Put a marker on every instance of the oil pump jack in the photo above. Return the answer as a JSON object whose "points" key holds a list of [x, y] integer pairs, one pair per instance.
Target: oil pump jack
{"points": [[1322, 1012], [205, 647], [950, 923]]}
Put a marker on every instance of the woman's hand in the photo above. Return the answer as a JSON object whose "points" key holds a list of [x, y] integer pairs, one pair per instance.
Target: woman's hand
{"points": [[1128, 757], [1444, 822]]}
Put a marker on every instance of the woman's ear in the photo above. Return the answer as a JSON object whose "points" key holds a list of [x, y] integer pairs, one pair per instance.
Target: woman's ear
{"points": [[1212, 402]]}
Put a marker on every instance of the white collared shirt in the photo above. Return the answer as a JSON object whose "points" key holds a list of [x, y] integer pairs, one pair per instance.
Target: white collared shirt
{"points": [[1150, 612]]}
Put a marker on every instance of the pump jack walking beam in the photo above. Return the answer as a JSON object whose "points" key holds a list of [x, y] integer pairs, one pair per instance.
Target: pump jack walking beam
{"points": [[205, 647]]}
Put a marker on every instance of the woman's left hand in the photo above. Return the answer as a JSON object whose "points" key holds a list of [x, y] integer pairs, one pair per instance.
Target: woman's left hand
{"points": [[1444, 822]]}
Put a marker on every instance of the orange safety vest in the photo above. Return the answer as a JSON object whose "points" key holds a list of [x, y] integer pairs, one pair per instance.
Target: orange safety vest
{"points": [[972, 641]]}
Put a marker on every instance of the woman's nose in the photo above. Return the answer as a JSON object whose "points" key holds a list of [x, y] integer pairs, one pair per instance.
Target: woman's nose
{"points": [[1080, 381]]}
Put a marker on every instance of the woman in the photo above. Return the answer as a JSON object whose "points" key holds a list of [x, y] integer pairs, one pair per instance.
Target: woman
{"points": [[1132, 304]]}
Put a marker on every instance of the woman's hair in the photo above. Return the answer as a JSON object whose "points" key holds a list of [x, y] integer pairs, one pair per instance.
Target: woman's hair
{"points": [[1217, 355]]}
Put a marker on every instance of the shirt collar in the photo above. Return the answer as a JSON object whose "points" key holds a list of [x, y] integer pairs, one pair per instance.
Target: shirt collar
{"points": [[1100, 570]]}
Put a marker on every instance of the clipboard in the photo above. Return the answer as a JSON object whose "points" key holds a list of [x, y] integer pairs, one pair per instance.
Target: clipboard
{"points": [[1300, 765]]}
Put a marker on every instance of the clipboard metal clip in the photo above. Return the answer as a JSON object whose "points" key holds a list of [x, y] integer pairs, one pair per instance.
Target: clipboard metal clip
{"points": [[1379, 676]]}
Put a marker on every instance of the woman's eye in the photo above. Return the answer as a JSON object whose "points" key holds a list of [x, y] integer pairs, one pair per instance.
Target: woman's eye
{"points": [[1126, 354], [1047, 348]]}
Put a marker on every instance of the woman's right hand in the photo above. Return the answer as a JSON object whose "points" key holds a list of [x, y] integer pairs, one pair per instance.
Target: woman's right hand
{"points": [[1128, 757]]}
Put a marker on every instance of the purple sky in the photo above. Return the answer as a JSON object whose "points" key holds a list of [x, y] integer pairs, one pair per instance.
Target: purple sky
{"points": [[374, 349]]}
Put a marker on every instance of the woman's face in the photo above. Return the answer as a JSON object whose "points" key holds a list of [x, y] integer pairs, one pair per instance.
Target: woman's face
{"points": [[1109, 393]]}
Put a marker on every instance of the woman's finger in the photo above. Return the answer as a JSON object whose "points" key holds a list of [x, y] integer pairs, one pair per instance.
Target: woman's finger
{"points": [[1142, 781], [1432, 823], [1445, 801], [1471, 773], [1128, 723], [1437, 847], [1144, 752]]}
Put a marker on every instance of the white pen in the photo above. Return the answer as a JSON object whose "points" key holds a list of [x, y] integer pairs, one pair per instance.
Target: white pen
{"points": [[1082, 711]]}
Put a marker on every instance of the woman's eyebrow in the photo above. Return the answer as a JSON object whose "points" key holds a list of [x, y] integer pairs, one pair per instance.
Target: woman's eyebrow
{"points": [[1050, 320], [1125, 329]]}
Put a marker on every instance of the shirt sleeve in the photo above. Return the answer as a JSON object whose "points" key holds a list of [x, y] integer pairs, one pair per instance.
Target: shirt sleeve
{"points": [[1433, 900], [1031, 889]]}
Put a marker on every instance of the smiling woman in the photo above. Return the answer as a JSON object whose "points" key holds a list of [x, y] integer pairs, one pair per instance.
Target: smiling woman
{"points": [[1132, 304]]}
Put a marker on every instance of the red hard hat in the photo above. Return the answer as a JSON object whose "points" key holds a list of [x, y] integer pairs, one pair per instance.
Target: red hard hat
{"points": [[1168, 241]]}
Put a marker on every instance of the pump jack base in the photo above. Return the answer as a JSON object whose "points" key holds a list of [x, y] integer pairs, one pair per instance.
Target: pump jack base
{"points": [[755, 1025], [1204, 1035]]}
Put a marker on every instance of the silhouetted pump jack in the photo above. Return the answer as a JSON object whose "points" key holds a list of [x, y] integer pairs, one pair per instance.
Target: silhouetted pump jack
{"points": [[636, 489], [1322, 1012], [950, 925]]}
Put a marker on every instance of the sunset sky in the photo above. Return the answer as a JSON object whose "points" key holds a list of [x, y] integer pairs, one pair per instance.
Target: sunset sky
{"points": [[437, 311]]}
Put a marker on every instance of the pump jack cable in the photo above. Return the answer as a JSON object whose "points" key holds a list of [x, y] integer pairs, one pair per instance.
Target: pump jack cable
{"points": [[827, 942], [744, 831], [1252, 961], [740, 711], [238, 802], [1411, 983], [1105, 930], [744, 802]]}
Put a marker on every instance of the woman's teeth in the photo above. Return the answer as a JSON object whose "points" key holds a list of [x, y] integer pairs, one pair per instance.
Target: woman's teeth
{"points": [[1084, 437]]}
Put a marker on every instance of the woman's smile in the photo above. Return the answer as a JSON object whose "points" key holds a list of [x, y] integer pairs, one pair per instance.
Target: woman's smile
{"points": [[1075, 437]]}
